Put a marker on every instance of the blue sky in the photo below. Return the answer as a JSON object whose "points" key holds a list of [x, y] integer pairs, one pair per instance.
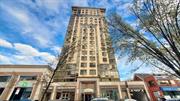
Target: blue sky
{"points": [[33, 31]]}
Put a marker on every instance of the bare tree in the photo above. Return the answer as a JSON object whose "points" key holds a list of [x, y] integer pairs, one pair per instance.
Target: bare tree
{"points": [[156, 37], [62, 59]]}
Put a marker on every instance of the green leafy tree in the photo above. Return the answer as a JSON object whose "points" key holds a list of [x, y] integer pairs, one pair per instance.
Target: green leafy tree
{"points": [[156, 37]]}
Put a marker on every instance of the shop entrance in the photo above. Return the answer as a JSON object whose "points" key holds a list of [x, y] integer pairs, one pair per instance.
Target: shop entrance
{"points": [[20, 94], [87, 97], [88, 90]]}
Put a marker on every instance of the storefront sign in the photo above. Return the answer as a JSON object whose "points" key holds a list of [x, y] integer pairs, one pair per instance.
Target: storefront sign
{"points": [[88, 90], [170, 88], [136, 90], [24, 84]]}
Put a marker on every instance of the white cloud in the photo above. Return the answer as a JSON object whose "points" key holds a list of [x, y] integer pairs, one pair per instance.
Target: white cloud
{"points": [[4, 59], [26, 54], [26, 49], [4, 43]]}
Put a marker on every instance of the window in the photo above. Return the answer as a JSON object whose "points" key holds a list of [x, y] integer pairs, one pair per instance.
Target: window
{"points": [[91, 34], [92, 46], [163, 82], [92, 58], [91, 19], [112, 60], [4, 78], [86, 20], [92, 30], [92, 38], [82, 11], [92, 72], [28, 77], [74, 39], [83, 64], [84, 37], [95, 20], [83, 58], [83, 72], [151, 83], [92, 42], [92, 65], [103, 48], [85, 30], [92, 52], [102, 44], [84, 46], [79, 11], [104, 59], [113, 66], [84, 52], [81, 21], [103, 53], [70, 58], [22, 94]]}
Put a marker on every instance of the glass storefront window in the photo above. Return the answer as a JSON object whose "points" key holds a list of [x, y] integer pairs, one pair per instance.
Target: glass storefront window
{"points": [[21, 94], [110, 93], [28, 77], [4, 78], [171, 94]]}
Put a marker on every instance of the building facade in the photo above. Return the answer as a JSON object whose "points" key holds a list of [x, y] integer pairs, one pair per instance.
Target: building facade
{"points": [[160, 85], [23, 82], [90, 69], [92, 55]]}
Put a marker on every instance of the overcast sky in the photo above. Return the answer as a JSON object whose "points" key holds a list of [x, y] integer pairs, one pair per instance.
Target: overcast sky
{"points": [[33, 31]]}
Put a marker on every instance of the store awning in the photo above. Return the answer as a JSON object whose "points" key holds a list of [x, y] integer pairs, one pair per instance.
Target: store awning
{"points": [[170, 88]]}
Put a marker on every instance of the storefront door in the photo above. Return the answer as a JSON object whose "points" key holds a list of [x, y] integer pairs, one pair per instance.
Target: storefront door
{"points": [[20, 94], [87, 97]]}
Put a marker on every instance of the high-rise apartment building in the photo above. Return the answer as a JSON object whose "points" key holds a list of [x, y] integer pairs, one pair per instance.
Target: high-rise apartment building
{"points": [[89, 70], [92, 54]]}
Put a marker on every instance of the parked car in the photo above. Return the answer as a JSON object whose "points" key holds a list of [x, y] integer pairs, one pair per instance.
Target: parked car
{"points": [[100, 99], [173, 99], [130, 100]]}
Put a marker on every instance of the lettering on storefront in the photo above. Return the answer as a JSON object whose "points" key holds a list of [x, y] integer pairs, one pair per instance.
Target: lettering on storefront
{"points": [[24, 84], [136, 90]]}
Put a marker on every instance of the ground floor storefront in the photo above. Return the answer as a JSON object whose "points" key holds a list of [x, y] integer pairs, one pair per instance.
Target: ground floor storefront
{"points": [[170, 92], [85, 89]]}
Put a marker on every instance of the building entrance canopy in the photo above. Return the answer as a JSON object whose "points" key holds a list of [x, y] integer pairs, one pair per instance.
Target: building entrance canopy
{"points": [[88, 90]]}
